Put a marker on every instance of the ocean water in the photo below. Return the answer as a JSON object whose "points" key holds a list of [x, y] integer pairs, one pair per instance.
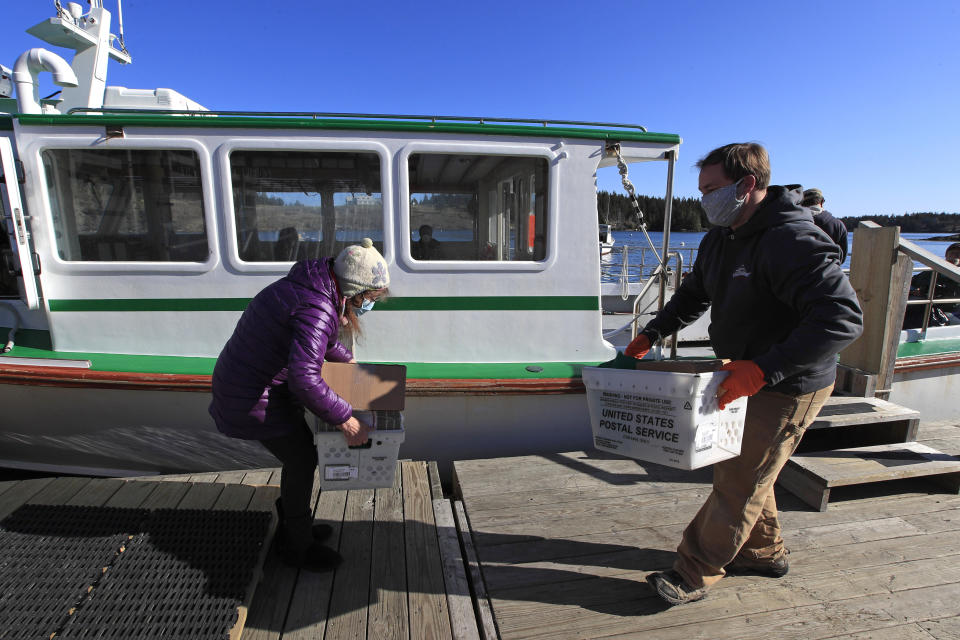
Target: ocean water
{"points": [[638, 249]]}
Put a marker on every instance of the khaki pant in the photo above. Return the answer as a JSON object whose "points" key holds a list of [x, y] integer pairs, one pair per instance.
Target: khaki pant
{"points": [[740, 514]]}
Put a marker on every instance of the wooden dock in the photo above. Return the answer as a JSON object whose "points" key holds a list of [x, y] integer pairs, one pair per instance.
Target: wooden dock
{"points": [[565, 541], [558, 546], [402, 576]]}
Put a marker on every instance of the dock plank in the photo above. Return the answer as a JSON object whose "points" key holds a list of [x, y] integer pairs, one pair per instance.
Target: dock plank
{"points": [[575, 567], [201, 496], [19, 493], [256, 478], [388, 616], [132, 494], [348, 605], [463, 621], [485, 620], [310, 604], [231, 477], [167, 495], [911, 631], [59, 491], [96, 493], [429, 617]]}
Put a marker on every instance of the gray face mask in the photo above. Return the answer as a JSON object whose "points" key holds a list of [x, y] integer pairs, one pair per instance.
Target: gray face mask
{"points": [[722, 205]]}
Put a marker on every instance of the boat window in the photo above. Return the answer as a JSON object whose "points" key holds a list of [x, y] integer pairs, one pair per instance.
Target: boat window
{"points": [[9, 266], [127, 205], [295, 205], [477, 207]]}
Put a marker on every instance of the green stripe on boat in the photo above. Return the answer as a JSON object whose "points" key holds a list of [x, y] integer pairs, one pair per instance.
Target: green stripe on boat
{"points": [[204, 366], [156, 304], [262, 122], [928, 347], [464, 303]]}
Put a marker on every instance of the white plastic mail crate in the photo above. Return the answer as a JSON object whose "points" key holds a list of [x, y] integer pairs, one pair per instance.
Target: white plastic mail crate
{"points": [[369, 466], [664, 417]]}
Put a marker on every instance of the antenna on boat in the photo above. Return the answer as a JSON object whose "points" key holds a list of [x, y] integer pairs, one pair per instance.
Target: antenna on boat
{"points": [[123, 45]]}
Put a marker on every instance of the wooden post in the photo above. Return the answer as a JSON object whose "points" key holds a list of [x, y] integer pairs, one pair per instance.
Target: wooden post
{"points": [[879, 276], [899, 291]]}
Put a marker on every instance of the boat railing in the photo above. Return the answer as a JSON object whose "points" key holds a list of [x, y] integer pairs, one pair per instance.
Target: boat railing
{"points": [[938, 268], [660, 275], [641, 263], [928, 262], [317, 115]]}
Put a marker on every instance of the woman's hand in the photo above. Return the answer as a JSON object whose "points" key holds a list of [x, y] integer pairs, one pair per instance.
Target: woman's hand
{"points": [[355, 432]]}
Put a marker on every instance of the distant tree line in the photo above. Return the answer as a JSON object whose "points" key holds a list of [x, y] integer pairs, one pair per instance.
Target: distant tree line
{"points": [[617, 210], [912, 222]]}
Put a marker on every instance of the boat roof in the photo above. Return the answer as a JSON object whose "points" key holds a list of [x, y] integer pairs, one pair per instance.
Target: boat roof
{"points": [[342, 121]]}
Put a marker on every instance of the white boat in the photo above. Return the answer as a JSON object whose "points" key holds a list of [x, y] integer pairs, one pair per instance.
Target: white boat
{"points": [[144, 224], [606, 239], [140, 225]]}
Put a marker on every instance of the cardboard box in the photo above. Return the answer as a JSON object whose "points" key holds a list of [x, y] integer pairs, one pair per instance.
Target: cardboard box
{"points": [[376, 392], [664, 412], [369, 387]]}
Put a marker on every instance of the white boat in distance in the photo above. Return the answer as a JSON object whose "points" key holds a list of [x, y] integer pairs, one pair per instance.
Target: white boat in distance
{"points": [[141, 224], [606, 239]]}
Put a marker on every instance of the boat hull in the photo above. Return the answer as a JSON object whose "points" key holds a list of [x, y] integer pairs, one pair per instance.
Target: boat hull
{"points": [[138, 431]]}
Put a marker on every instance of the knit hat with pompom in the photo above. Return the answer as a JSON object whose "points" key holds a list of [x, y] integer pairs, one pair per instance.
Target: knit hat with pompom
{"points": [[359, 268]]}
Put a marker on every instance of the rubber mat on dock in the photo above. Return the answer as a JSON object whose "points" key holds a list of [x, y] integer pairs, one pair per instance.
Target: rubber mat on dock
{"points": [[90, 572], [50, 556], [186, 577]]}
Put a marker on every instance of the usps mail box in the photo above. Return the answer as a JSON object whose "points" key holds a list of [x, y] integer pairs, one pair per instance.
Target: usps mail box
{"points": [[664, 412], [376, 392]]}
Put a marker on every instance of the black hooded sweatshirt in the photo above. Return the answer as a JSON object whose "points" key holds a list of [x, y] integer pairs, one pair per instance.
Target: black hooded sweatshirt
{"points": [[777, 296]]}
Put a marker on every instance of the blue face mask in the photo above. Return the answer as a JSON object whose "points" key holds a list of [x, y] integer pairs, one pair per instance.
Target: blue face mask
{"points": [[366, 306]]}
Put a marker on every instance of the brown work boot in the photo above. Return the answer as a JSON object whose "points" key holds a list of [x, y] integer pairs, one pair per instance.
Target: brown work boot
{"points": [[670, 586], [772, 568]]}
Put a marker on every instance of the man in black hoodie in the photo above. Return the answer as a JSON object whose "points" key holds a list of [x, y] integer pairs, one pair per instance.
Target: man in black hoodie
{"points": [[781, 311], [813, 200]]}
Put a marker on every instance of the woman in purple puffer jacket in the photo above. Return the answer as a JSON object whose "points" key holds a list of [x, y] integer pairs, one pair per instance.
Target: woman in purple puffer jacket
{"points": [[269, 371]]}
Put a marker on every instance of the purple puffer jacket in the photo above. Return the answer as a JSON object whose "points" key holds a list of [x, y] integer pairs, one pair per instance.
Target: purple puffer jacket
{"points": [[269, 370]]}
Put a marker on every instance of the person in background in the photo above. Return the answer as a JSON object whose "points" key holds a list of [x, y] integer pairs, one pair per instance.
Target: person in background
{"points": [[781, 310], [813, 200], [941, 315], [426, 248], [270, 371]]}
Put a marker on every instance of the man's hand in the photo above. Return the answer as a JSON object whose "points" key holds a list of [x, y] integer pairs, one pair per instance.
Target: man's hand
{"points": [[745, 379], [355, 432], [639, 347]]}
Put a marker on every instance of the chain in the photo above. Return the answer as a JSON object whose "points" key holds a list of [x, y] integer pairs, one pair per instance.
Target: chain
{"points": [[61, 12], [628, 186]]}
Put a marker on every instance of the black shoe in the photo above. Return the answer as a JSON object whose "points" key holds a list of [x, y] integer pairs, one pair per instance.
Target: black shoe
{"points": [[670, 586], [316, 558], [320, 531], [776, 568]]}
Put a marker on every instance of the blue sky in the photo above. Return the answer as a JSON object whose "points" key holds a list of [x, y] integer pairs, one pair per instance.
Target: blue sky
{"points": [[860, 99]]}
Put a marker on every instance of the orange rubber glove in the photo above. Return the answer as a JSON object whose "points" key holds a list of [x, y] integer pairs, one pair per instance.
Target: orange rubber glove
{"points": [[745, 379], [639, 347]]}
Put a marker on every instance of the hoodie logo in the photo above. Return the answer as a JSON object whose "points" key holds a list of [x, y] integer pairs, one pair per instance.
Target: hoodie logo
{"points": [[741, 272]]}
